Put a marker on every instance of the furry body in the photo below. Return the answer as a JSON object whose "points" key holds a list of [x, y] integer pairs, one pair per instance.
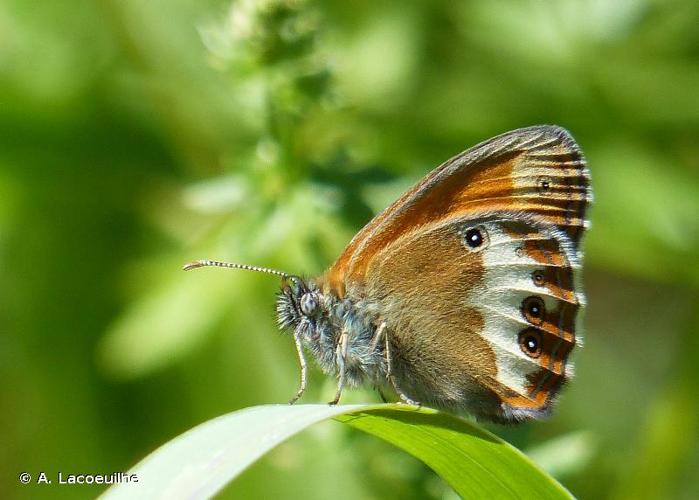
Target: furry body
{"points": [[320, 332]]}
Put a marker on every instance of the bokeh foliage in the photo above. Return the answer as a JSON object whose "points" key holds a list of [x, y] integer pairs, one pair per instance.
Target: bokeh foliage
{"points": [[137, 135]]}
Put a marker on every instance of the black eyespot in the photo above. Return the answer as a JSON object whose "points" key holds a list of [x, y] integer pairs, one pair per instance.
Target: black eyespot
{"points": [[538, 278], [544, 184], [474, 237], [534, 309], [530, 342]]}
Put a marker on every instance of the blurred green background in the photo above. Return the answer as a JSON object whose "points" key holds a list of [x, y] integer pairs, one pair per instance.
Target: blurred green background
{"points": [[135, 136]]}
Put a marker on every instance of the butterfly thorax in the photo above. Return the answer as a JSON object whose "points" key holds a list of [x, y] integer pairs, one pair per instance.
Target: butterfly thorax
{"points": [[320, 318]]}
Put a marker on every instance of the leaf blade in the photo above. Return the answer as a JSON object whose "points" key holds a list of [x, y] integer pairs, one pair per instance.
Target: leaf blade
{"points": [[476, 463], [201, 461]]}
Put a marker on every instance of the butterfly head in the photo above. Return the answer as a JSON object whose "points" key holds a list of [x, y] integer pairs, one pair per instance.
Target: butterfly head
{"points": [[298, 301]]}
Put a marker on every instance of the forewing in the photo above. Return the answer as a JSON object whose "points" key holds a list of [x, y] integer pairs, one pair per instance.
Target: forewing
{"points": [[536, 170]]}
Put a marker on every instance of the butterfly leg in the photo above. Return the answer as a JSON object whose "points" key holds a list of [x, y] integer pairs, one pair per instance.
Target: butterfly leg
{"points": [[304, 367], [340, 355], [378, 336], [390, 376]]}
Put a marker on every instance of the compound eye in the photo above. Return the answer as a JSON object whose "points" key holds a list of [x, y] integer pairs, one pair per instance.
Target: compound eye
{"points": [[308, 304]]}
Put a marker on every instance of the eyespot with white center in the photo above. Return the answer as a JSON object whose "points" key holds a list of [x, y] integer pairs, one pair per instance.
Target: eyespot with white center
{"points": [[545, 185], [530, 342], [534, 309], [538, 278], [475, 238]]}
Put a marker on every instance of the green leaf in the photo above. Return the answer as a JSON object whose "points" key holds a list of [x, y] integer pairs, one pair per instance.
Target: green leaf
{"points": [[200, 462]]}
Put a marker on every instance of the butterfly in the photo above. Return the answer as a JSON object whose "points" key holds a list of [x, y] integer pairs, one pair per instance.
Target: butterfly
{"points": [[465, 293]]}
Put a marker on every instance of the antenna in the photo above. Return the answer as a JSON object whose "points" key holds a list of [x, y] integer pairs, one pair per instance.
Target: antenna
{"points": [[216, 263]]}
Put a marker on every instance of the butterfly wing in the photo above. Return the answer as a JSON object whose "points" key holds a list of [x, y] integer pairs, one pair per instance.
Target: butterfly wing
{"points": [[485, 328], [535, 170]]}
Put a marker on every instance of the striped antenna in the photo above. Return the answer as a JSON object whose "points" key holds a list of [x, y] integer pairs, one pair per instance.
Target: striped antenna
{"points": [[216, 263]]}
